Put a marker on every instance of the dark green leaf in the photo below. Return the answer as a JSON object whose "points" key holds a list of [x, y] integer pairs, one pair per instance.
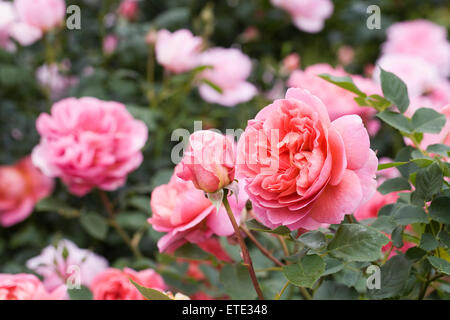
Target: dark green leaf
{"points": [[440, 264], [440, 210], [394, 89], [428, 242], [393, 185], [313, 239], [306, 272], [428, 121], [237, 282], [256, 226], [396, 120], [428, 181], [440, 149], [94, 224], [407, 214], [149, 293], [343, 82], [330, 290], [83, 293]]}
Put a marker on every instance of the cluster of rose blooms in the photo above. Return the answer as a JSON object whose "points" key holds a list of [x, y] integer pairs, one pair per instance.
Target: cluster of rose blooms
{"points": [[324, 165]]}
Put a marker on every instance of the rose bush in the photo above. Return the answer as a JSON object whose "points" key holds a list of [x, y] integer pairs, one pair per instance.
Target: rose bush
{"points": [[277, 149]]}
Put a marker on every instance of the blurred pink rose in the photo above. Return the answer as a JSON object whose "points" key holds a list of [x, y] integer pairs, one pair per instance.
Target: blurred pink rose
{"points": [[418, 75], [230, 69], [63, 261], [183, 211], [21, 186], [346, 54], [27, 287], [338, 101], [89, 143], [301, 170], [291, 62], [50, 77], [177, 51], [42, 14], [422, 39], [129, 9], [110, 44], [115, 284], [7, 18], [209, 161], [307, 15]]}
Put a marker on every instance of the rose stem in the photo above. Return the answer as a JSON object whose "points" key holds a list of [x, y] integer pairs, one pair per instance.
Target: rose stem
{"points": [[245, 254], [261, 248], [112, 221]]}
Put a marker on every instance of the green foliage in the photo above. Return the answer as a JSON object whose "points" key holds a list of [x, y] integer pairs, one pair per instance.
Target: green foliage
{"points": [[306, 272], [394, 89]]}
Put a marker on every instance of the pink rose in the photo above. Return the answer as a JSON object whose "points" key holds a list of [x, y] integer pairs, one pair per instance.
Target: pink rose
{"points": [[7, 18], [418, 75], [27, 287], [230, 69], [177, 51], [346, 54], [338, 101], [307, 15], [42, 14], [51, 78], [291, 62], [209, 161], [183, 211], [129, 9], [115, 284], [65, 261], [89, 143], [110, 44], [21, 186], [301, 170], [421, 39]]}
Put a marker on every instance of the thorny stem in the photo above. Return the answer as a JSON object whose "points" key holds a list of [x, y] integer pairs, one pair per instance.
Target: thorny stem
{"points": [[245, 254], [112, 221], [260, 247]]}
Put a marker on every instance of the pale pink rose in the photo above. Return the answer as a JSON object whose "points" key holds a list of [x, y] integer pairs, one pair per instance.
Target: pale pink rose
{"points": [[291, 62], [89, 143], [7, 19], [422, 39], [27, 287], [209, 161], [418, 75], [307, 15], [183, 211], [301, 170], [65, 261], [178, 51], [338, 101], [129, 9], [50, 77], [230, 69], [24, 33], [115, 284], [42, 14], [346, 54], [21, 186], [110, 44]]}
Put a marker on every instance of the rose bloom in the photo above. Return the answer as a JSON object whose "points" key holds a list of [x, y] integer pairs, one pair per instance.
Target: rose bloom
{"points": [[418, 75], [27, 287], [89, 143], [42, 14], [51, 78], [110, 44], [115, 284], [301, 170], [178, 51], [129, 9], [422, 39], [183, 211], [21, 186], [7, 18], [209, 161], [230, 69], [291, 62], [307, 15], [338, 101], [60, 262]]}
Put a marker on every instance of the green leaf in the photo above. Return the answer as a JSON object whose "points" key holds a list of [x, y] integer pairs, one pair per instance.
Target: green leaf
{"points": [[172, 17], [330, 290], [440, 210], [390, 165], [332, 265], [212, 85], [394, 275], [394, 89], [384, 223], [343, 82], [396, 120], [393, 185], [237, 282], [355, 242], [397, 237], [256, 226], [149, 293], [306, 272], [440, 264], [428, 242], [440, 149], [83, 293], [131, 220], [313, 239], [191, 251], [427, 120], [428, 181], [408, 214], [95, 225]]}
